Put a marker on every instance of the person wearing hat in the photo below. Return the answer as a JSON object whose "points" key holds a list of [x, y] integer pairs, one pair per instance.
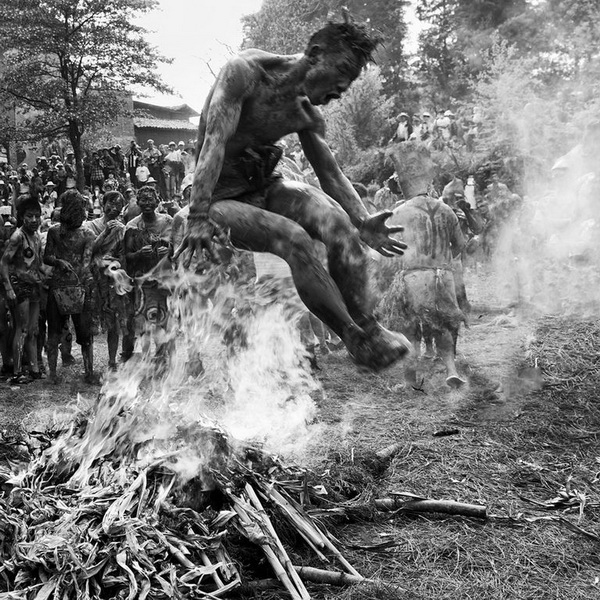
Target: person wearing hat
{"points": [[49, 197], [417, 130], [404, 129], [388, 196], [425, 296]]}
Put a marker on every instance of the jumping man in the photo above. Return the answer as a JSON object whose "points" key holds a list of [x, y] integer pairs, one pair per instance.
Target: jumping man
{"points": [[257, 99]]}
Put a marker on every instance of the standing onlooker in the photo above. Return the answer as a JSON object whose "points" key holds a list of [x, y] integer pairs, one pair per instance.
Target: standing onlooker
{"points": [[172, 166], [6, 329], [69, 251], [153, 158], [106, 258], [22, 274], [148, 243], [96, 174], [133, 156], [142, 173], [425, 298], [404, 129], [131, 209], [388, 196]]}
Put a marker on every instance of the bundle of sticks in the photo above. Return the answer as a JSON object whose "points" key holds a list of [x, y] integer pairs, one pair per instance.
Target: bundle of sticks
{"points": [[129, 531]]}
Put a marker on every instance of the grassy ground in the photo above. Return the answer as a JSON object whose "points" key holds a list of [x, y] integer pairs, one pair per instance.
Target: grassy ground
{"points": [[526, 429]]}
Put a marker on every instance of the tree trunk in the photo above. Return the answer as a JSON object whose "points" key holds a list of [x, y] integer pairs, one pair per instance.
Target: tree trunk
{"points": [[75, 134]]}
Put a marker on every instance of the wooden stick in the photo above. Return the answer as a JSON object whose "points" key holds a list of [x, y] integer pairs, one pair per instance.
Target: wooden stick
{"points": [[342, 560], [432, 506], [245, 522], [284, 555], [302, 524], [390, 451], [328, 577], [319, 534]]}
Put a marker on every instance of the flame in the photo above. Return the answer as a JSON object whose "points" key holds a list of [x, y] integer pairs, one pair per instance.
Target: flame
{"points": [[255, 388]]}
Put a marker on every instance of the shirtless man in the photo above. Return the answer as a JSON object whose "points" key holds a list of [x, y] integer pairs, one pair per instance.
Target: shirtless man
{"points": [[425, 283], [259, 98]]}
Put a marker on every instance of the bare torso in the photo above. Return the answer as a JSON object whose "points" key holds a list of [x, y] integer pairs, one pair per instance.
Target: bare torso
{"points": [[271, 104]]}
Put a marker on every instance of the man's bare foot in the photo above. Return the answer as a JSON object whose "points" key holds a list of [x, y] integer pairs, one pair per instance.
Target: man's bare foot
{"points": [[375, 347]]}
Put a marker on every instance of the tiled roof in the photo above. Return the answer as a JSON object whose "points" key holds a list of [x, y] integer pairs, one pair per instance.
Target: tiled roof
{"points": [[149, 122]]}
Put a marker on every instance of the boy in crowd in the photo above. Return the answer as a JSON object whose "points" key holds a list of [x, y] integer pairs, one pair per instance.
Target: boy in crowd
{"points": [[22, 275], [69, 251]]}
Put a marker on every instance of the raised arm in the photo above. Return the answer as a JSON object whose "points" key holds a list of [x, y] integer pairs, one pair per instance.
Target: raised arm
{"points": [[372, 228], [333, 182]]}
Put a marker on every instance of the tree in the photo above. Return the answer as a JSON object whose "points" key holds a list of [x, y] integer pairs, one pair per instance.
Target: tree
{"points": [[356, 125], [71, 62]]}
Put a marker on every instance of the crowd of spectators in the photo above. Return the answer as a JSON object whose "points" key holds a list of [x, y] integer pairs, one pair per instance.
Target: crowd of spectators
{"points": [[440, 129], [107, 169], [69, 259]]}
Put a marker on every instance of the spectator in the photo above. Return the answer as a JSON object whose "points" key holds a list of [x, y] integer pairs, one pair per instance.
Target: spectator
{"points": [[69, 252], [106, 261], [147, 249], [416, 133], [404, 129], [426, 295], [133, 157], [388, 196], [6, 330], [153, 158], [96, 174], [172, 166], [142, 173], [131, 209], [426, 126], [22, 275]]}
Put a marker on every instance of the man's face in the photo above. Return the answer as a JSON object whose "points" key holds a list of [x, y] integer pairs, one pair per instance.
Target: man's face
{"points": [[330, 77], [112, 208], [147, 203], [31, 220]]}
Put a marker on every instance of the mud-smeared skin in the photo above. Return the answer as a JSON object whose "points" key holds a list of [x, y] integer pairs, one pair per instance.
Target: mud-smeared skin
{"points": [[257, 99]]}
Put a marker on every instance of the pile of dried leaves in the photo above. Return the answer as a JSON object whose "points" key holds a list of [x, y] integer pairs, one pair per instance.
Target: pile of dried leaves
{"points": [[96, 513]]}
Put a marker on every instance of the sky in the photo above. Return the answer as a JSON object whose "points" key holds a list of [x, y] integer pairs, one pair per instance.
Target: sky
{"points": [[199, 35]]}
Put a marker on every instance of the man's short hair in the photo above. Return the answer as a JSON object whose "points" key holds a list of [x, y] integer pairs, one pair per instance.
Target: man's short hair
{"points": [[24, 203], [347, 36], [146, 191], [112, 196]]}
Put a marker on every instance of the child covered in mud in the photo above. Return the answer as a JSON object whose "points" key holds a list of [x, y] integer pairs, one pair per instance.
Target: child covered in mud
{"points": [[69, 251], [22, 275]]}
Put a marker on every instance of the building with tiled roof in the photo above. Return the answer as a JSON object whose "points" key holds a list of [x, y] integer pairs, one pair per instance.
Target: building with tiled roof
{"points": [[163, 123]]}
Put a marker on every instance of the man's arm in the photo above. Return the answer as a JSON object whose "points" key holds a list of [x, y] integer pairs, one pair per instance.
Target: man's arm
{"points": [[333, 182], [222, 114], [9, 254], [373, 229]]}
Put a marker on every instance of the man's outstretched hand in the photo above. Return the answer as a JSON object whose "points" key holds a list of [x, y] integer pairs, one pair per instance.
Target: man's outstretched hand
{"points": [[376, 234], [199, 240]]}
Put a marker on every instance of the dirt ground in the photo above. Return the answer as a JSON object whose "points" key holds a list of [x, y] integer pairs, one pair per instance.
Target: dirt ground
{"points": [[522, 431]]}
